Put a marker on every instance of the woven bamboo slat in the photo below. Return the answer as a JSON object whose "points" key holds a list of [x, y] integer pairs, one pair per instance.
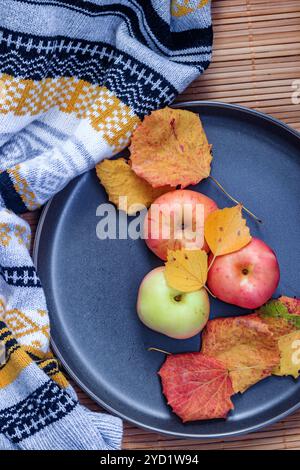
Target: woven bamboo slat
{"points": [[256, 57], [256, 60]]}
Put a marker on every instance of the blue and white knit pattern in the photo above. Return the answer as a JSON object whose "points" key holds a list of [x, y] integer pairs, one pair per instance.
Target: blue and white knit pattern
{"points": [[76, 77]]}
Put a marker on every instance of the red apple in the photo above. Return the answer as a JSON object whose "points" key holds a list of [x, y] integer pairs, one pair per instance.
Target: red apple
{"points": [[246, 278], [175, 220]]}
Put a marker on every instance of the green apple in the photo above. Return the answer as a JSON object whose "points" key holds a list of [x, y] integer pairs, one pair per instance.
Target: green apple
{"points": [[171, 312]]}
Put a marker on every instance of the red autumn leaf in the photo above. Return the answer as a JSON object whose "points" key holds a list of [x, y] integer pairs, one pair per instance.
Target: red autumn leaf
{"points": [[196, 386]]}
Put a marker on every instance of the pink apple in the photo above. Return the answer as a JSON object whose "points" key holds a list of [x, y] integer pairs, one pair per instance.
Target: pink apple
{"points": [[175, 220], [171, 312], [246, 278]]}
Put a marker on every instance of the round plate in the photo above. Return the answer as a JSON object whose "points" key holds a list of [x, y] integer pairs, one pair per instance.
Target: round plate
{"points": [[91, 285]]}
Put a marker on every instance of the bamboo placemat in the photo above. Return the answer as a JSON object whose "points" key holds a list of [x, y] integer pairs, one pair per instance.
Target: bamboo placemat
{"points": [[256, 60], [256, 63]]}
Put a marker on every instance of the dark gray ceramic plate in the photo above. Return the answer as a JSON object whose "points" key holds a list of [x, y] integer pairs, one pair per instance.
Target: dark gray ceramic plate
{"points": [[91, 285]]}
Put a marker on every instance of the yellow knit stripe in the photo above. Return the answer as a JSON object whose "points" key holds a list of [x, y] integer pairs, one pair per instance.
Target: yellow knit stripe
{"points": [[16, 320], [6, 232], [54, 371], [19, 357], [22, 187], [38, 353], [184, 7], [18, 360], [44, 360], [108, 115], [60, 379], [4, 341]]}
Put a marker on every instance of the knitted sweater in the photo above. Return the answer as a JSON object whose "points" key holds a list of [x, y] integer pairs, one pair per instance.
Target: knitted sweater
{"points": [[76, 77]]}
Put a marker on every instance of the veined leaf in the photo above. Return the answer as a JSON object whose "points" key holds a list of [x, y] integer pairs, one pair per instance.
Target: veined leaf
{"points": [[226, 231], [186, 270], [196, 386]]}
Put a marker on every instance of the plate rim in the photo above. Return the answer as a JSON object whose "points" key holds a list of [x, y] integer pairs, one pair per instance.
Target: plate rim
{"points": [[92, 395]]}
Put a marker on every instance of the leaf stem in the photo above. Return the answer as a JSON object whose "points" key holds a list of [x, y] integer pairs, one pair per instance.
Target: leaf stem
{"points": [[235, 200], [212, 262], [159, 350], [210, 292]]}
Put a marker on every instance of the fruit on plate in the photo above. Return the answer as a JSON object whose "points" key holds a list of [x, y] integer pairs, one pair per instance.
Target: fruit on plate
{"points": [[247, 277], [169, 311], [175, 220]]}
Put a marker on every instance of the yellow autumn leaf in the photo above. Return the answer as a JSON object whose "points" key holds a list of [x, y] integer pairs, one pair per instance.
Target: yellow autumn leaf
{"points": [[289, 346], [186, 270], [125, 189], [226, 231]]}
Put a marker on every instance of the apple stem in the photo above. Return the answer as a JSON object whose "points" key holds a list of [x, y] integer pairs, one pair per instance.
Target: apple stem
{"points": [[235, 200], [159, 350], [210, 293]]}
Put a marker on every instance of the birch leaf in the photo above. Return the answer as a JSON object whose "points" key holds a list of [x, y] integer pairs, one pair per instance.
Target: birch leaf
{"points": [[186, 270], [226, 231]]}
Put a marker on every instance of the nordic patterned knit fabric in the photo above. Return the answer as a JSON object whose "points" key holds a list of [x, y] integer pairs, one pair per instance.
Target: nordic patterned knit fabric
{"points": [[76, 77]]}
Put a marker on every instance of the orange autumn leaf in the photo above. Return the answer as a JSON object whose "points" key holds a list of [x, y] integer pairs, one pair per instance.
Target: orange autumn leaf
{"points": [[226, 231], [186, 270], [120, 181], [170, 148], [196, 387], [246, 347]]}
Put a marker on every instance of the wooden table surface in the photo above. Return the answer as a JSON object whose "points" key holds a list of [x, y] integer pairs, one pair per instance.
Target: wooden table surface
{"points": [[256, 63]]}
